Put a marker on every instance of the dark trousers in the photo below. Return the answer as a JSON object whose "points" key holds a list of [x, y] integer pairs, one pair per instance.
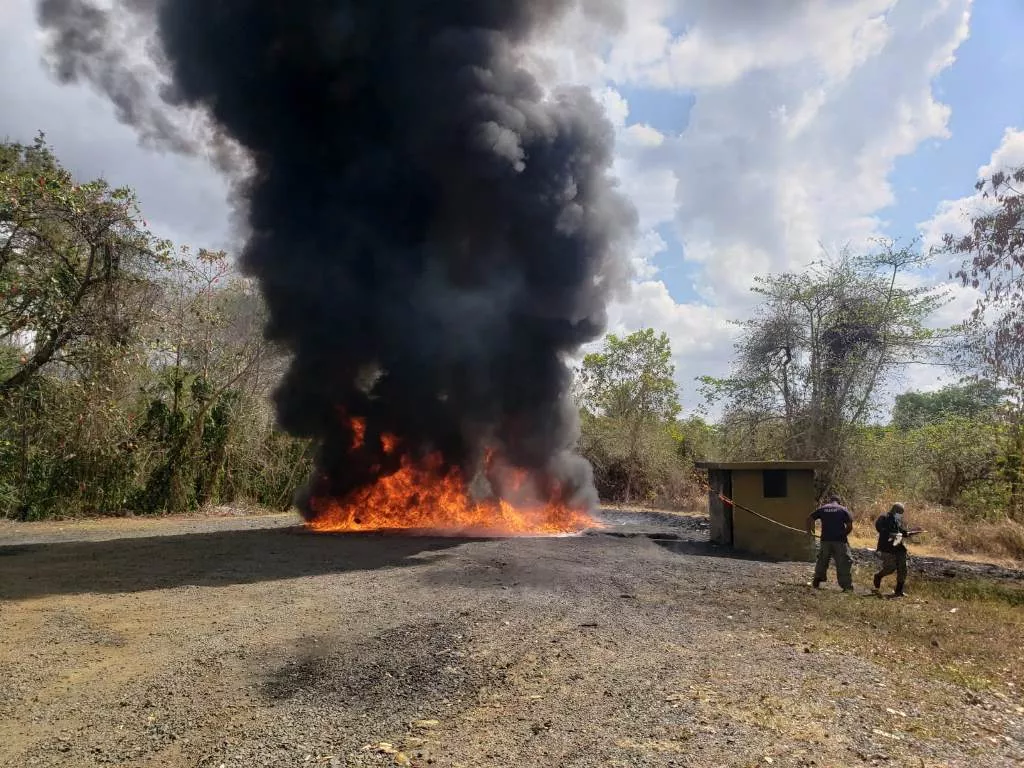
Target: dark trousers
{"points": [[840, 552], [893, 562]]}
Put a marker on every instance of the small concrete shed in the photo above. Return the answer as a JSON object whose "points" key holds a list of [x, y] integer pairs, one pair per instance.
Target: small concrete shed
{"points": [[782, 491]]}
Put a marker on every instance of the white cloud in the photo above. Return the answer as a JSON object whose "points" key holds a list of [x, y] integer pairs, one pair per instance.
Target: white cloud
{"points": [[1008, 155], [648, 246], [729, 39], [797, 150], [702, 336], [644, 135], [184, 199], [954, 217], [801, 109]]}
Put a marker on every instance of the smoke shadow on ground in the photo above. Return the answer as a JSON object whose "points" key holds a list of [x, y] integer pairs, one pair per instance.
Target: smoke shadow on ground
{"points": [[680, 546], [401, 667], [689, 545], [209, 559]]}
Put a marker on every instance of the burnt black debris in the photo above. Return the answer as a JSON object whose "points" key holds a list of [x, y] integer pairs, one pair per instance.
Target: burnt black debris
{"points": [[434, 232]]}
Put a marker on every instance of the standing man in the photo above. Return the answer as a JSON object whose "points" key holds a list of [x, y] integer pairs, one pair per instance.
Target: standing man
{"points": [[836, 525], [891, 548]]}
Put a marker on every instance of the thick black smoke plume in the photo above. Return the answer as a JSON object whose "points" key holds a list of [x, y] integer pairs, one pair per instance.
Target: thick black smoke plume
{"points": [[433, 233]]}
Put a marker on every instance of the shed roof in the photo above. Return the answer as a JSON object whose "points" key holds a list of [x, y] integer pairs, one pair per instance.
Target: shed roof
{"points": [[759, 465]]}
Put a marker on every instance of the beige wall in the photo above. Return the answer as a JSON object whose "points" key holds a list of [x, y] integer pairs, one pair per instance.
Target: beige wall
{"points": [[751, 534], [721, 523]]}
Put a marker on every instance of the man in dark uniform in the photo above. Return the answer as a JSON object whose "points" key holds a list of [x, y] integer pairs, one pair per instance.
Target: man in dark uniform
{"points": [[891, 548], [836, 525]]}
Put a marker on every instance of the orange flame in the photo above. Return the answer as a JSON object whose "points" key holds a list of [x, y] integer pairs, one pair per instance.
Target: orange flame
{"points": [[426, 496], [358, 433]]}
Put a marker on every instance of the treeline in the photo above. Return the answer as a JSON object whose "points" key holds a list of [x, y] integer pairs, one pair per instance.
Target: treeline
{"points": [[953, 447], [135, 378]]}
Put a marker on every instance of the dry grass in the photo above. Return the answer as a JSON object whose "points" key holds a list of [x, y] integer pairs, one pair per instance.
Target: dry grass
{"points": [[949, 534], [963, 631]]}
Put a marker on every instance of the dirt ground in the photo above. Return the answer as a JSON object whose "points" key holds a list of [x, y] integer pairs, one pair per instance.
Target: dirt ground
{"points": [[230, 643]]}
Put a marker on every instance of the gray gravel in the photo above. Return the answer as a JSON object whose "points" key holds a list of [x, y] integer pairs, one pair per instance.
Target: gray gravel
{"points": [[250, 642]]}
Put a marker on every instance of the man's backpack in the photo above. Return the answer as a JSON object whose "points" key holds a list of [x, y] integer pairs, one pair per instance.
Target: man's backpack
{"points": [[880, 524]]}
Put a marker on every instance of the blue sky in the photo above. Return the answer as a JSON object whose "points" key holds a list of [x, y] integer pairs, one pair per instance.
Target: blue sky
{"points": [[774, 129], [669, 113], [981, 88]]}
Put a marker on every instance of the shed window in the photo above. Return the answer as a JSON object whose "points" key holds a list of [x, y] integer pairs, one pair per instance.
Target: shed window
{"points": [[775, 483]]}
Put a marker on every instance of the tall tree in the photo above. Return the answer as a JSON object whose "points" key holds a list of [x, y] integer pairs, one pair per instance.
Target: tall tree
{"points": [[76, 263], [810, 363], [631, 377], [628, 396], [993, 264], [77, 281], [130, 378]]}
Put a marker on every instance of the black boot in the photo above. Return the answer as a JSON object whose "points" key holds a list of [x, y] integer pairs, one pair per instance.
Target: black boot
{"points": [[899, 591]]}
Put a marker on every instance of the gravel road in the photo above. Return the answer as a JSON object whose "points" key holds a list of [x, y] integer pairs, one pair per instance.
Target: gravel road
{"points": [[247, 642]]}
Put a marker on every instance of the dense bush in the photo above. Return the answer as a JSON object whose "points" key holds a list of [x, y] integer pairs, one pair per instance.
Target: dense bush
{"points": [[649, 467], [954, 462], [132, 379], [629, 406]]}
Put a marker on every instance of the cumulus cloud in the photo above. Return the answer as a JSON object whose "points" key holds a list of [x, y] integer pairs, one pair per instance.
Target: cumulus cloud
{"points": [[953, 217], [702, 335], [795, 151], [725, 40], [801, 109]]}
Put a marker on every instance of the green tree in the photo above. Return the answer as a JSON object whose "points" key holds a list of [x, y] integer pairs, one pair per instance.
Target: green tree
{"points": [[628, 396], [958, 453], [131, 378], [810, 363], [967, 399], [696, 439], [78, 272], [631, 378], [76, 266]]}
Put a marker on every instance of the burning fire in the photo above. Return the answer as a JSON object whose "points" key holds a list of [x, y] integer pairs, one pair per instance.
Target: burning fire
{"points": [[426, 496]]}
